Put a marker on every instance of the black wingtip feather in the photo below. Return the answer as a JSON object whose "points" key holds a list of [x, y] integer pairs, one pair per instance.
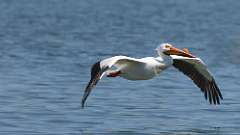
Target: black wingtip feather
{"points": [[205, 95], [217, 89], [209, 97], [213, 95]]}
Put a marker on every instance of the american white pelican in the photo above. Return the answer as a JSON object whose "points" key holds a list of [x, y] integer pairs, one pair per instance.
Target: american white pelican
{"points": [[149, 67]]}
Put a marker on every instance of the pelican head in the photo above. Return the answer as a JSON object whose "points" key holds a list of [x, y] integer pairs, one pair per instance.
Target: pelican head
{"points": [[166, 49]]}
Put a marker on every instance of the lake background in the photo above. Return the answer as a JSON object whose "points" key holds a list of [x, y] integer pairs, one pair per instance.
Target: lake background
{"points": [[47, 48]]}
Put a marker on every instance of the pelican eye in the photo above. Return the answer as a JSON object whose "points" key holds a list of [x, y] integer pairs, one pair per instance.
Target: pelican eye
{"points": [[167, 46]]}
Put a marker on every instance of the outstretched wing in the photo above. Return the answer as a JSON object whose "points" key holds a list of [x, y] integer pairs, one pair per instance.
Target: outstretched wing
{"points": [[198, 72], [96, 73], [99, 68]]}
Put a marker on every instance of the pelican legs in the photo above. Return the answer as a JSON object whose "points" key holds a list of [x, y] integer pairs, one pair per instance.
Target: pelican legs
{"points": [[114, 74]]}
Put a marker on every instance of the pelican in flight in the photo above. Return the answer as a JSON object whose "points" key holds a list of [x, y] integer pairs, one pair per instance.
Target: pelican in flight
{"points": [[149, 67]]}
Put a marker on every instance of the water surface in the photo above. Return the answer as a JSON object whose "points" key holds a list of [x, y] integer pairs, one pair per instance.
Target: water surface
{"points": [[47, 48]]}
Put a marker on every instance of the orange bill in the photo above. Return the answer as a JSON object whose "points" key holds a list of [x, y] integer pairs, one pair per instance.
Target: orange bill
{"points": [[179, 52]]}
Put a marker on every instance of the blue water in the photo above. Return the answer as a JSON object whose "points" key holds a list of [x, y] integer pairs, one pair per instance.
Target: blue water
{"points": [[47, 48]]}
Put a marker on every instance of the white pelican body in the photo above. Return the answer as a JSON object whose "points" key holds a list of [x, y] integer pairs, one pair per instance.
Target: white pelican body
{"points": [[136, 69], [149, 67]]}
